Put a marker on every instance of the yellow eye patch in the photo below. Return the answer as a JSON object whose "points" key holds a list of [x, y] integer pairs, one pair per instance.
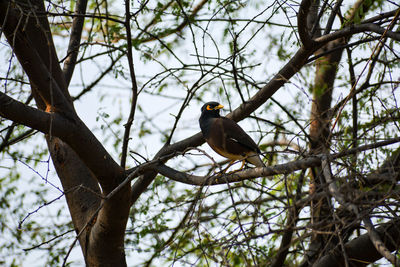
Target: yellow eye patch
{"points": [[209, 108]]}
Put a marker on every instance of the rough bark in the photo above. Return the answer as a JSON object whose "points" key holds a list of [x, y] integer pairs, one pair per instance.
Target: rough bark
{"points": [[80, 160]]}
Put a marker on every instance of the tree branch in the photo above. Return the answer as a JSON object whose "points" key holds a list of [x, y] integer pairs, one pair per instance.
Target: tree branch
{"points": [[74, 133], [128, 124], [374, 236], [361, 251], [48, 123], [75, 39], [168, 32], [41, 65], [292, 218], [245, 109], [353, 29], [261, 172], [302, 24]]}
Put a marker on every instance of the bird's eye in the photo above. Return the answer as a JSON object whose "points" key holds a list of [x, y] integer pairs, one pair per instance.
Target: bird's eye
{"points": [[209, 108]]}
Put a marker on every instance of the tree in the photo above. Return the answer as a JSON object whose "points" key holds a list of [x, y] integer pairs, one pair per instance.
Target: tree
{"points": [[329, 196]]}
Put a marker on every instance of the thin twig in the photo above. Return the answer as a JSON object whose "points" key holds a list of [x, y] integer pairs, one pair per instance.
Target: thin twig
{"points": [[48, 241], [134, 88]]}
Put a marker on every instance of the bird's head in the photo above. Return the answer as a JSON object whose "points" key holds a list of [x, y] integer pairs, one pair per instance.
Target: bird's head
{"points": [[211, 108]]}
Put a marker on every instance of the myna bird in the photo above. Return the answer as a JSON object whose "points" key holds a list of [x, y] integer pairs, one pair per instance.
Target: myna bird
{"points": [[226, 137]]}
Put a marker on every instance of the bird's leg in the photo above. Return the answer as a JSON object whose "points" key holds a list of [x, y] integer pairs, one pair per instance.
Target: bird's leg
{"points": [[230, 164], [243, 162]]}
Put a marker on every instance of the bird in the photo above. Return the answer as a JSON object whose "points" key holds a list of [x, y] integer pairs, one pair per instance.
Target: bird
{"points": [[227, 138]]}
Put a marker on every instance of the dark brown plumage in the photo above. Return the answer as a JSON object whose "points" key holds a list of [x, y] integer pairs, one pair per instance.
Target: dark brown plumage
{"points": [[226, 137]]}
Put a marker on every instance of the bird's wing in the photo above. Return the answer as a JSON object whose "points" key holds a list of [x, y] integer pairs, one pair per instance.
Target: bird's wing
{"points": [[234, 133]]}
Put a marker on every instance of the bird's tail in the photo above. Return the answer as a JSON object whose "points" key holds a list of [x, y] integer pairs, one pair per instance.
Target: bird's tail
{"points": [[255, 159]]}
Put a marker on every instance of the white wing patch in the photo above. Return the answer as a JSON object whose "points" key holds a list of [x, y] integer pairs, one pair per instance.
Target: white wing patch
{"points": [[233, 139]]}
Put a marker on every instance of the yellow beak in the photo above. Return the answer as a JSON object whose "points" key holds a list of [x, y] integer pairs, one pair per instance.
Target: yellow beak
{"points": [[219, 106]]}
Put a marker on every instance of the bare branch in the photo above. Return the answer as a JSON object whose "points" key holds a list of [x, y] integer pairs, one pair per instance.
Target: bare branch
{"points": [[361, 250], [332, 17], [374, 236], [99, 162], [303, 28], [378, 243], [31, 117], [261, 172], [359, 28], [41, 67], [134, 89], [74, 41]]}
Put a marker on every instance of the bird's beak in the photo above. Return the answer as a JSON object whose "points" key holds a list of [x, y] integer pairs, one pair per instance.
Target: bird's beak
{"points": [[219, 106]]}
